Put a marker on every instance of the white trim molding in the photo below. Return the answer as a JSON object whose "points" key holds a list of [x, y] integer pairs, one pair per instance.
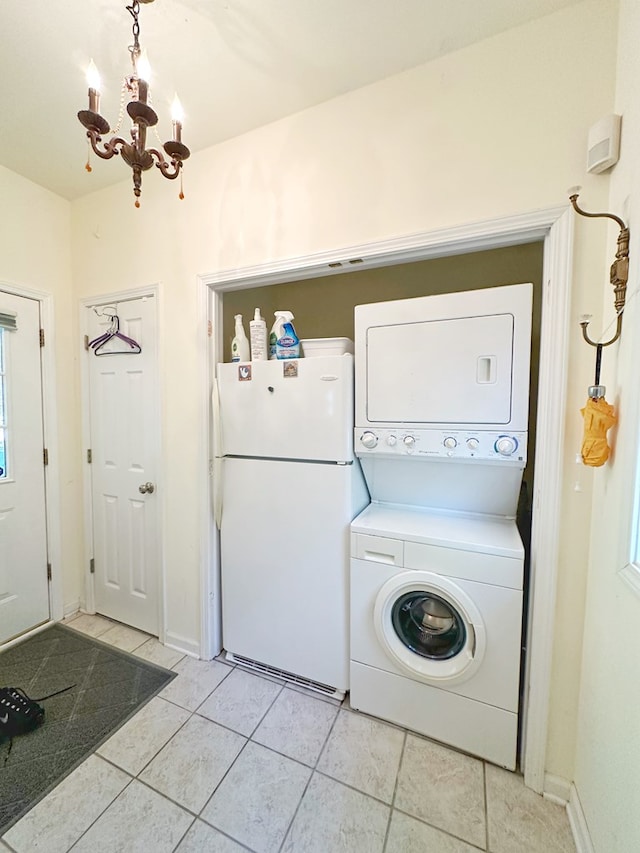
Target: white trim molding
{"points": [[545, 532], [578, 824], [72, 608], [210, 605], [445, 242], [630, 571], [556, 789], [554, 226], [630, 574], [182, 644]]}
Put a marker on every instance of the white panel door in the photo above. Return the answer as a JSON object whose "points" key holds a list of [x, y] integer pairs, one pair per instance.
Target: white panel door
{"points": [[125, 449], [24, 588]]}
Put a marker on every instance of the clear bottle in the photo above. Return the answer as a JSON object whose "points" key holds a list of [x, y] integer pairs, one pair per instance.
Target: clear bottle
{"points": [[258, 336], [240, 342]]}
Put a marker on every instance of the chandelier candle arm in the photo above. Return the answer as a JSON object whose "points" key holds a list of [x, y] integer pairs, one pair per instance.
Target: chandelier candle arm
{"points": [[110, 148], [165, 168]]}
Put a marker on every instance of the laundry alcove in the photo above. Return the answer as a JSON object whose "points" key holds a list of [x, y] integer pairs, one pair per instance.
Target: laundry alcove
{"points": [[546, 238]]}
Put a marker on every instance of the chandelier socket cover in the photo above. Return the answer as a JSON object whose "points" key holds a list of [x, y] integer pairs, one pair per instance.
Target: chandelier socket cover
{"points": [[93, 121]]}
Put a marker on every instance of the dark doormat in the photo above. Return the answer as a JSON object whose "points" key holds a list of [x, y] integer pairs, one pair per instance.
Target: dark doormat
{"points": [[110, 686]]}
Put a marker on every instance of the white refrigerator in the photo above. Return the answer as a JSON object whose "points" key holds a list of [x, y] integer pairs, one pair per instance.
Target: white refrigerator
{"points": [[288, 487]]}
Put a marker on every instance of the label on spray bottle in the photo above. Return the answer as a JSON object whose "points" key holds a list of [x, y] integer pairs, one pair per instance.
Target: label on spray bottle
{"points": [[273, 340], [288, 344]]}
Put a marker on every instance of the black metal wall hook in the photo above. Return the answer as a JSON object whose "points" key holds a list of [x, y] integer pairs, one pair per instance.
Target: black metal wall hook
{"points": [[619, 273]]}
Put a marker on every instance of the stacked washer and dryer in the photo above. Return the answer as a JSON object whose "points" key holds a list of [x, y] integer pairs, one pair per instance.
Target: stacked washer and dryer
{"points": [[437, 563]]}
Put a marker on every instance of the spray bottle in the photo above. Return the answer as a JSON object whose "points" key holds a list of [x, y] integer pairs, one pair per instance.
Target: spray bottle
{"points": [[288, 344], [258, 335], [240, 342], [277, 329]]}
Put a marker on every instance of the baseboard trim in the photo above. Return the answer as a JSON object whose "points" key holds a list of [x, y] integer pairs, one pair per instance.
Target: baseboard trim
{"points": [[182, 644], [556, 789], [578, 824], [71, 609]]}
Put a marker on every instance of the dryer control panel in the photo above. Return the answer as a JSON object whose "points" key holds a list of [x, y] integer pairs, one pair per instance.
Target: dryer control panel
{"points": [[442, 444]]}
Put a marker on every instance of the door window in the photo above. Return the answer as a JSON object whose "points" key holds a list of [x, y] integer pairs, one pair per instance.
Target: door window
{"points": [[3, 410], [428, 625]]}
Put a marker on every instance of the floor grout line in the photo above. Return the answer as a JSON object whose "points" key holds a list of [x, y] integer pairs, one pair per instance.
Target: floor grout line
{"points": [[185, 833], [314, 770], [105, 809], [393, 796], [486, 805]]}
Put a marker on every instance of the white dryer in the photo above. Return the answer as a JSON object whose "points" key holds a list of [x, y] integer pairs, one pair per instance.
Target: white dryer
{"points": [[436, 604], [442, 398]]}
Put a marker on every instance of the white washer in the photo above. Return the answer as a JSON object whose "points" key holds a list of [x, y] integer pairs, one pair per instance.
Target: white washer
{"points": [[436, 618]]}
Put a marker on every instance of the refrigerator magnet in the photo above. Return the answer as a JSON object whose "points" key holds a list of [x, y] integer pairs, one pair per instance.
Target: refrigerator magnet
{"points": [[289, 368], [244, 372]]}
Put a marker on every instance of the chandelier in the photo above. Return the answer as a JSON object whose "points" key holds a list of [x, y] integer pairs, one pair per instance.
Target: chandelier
{"points": [[136, 88]]}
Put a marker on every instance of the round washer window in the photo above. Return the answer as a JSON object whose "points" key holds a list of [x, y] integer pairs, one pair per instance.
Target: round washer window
{"points": [[428, 625]]}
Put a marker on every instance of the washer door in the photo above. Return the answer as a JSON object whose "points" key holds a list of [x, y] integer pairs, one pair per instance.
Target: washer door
{"points": [[430, 627]]}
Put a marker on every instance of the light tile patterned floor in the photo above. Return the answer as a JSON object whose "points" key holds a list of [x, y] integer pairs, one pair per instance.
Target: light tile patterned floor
{"points": [[226, 761]]}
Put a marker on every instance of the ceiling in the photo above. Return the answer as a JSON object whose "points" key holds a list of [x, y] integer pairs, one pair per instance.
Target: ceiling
{"points": [[236, 65]]}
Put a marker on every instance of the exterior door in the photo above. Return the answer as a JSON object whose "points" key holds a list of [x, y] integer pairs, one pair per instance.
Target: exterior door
{"points": [[125, 450], [24, 588]]}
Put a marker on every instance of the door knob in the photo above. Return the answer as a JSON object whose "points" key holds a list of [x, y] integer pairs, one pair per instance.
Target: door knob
{"points": [[146, 488]]}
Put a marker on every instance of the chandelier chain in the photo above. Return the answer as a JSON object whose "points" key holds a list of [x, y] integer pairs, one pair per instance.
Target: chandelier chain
{"points": [[134, 11], [123, 90], [154, 129], [134, 49]]}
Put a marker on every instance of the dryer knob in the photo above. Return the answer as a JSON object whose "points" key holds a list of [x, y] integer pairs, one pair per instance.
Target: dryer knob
{"points": [[472, 443], [506, 445], [391, 440], [409, 442], [450, 442], [369, 439]]}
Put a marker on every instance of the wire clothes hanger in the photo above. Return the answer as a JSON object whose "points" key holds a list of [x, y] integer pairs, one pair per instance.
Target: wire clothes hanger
{"points": [[113, 333]]}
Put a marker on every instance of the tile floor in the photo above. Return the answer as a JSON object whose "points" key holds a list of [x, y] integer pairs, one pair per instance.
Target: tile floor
{"points": [[225, 761]]}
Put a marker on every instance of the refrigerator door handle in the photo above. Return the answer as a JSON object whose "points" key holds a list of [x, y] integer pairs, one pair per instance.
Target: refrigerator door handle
{"points": [[217, 454], [217, 425], [217, 491]]}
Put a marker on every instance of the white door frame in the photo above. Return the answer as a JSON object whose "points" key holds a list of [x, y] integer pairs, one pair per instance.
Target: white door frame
{"points": [[50, 434], [555, 227], [85, 304]]}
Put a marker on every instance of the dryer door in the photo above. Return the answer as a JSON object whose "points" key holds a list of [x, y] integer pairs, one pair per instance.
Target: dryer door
{"points": [[430, 627]]}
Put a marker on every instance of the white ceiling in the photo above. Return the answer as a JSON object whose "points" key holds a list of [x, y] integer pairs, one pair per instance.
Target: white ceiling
{"points": [[236, 65]]}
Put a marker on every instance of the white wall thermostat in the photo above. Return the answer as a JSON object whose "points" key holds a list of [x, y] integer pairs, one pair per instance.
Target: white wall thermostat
{"points": [[603, 147]]}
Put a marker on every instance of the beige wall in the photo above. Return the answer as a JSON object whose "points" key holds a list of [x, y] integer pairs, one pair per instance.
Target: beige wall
{"points": [[495, 129], [323, 307], [35, 254], [607, 772]]}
